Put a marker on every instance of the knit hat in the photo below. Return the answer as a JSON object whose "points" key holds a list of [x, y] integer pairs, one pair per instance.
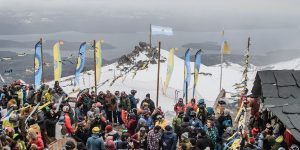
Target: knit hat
{"points": [[201, 101], [108, 128], [185, 135], [95, 130]]}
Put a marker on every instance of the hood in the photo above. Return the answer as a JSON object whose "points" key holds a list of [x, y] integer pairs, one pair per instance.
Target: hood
{"points": [[95, 136], [169, 133]]}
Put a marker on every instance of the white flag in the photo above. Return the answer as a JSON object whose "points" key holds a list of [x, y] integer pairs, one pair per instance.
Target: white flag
{"points": [[158, 30]]}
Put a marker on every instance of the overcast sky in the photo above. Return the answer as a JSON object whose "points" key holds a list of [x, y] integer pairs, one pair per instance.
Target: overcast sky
{"points": [[115, 16]]}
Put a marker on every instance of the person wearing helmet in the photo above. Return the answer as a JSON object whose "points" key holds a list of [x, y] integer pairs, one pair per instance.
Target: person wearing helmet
{"points": [[179, 106], [95, 142], [68, 122], [149, 101]]}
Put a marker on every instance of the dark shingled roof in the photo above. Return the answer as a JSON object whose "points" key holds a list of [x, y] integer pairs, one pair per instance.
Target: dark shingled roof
{"points": [[280, 90]]}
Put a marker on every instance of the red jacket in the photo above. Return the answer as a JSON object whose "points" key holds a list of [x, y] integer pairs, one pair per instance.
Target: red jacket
{"points": [[38, 142], [194, 106], [178, 107], [68, 124], [131, 125]]}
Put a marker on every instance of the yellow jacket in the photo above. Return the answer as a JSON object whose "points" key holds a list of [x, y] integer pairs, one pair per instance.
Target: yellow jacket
{"points": [[163, 123], [48, 97]]}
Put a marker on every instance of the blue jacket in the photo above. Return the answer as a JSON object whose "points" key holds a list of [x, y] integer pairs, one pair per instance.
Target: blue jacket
{"points": [[133, 101], [169, 140], [95, 143]]}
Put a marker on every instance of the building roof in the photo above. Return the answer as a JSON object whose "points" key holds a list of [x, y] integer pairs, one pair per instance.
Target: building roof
{"points": [[280, 90]]}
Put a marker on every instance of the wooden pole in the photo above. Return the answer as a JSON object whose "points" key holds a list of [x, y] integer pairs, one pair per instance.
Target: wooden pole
{"points": [[150, 36], [95, 66], [186, 92], [42, 57], [158, 72]]}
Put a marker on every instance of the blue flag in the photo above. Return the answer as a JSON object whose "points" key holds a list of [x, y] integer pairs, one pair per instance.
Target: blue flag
{"points": [[196, 69], [38, 65], [187, 73], [80, 62]]}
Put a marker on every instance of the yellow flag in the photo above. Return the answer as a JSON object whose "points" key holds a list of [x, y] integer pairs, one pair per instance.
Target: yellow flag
{"points": [[98, 55], [225, 47], [170, 66], [57, 61]]}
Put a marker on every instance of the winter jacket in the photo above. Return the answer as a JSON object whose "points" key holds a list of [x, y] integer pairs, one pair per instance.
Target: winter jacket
{"points": [[178, 107], [125, 103], [163, 123], [196, 123], [140, 123], [82, 134], [131, 126], [133, 101], [212, 133], [153, 140], [149, 122], [139, 140], [169, 140], [68, 123], [194, 106], [176, 123], [39, 142], [111, 103], [50, 123], [95, 143]]}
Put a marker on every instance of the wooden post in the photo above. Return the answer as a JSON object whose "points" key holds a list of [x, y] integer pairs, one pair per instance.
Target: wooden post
{"points": [[158, 72], [42, 57], [150, 36], [95, 66]]}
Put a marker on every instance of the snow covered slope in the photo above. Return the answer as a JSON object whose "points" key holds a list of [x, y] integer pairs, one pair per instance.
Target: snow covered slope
{"points": [[145, 81]]}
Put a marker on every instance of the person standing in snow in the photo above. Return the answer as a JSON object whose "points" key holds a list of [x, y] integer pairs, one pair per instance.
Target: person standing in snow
{"points": [[191, 104], [133, 100], [149, 101], [169, 139], [179, 106], [95, 142], [177, 122]]}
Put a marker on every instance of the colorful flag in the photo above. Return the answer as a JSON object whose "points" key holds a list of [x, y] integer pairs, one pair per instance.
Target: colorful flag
{"points": [[225, 46], [158, 30], [38, 65], [196, 69], [170, 67], [57, 61], [80, 62], [187, 73], [98, 55]]}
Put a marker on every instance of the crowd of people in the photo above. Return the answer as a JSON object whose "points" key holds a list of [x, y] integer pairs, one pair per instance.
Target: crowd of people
{"points": [[34, 118]]}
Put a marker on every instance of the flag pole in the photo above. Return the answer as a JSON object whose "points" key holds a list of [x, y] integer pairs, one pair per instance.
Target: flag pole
{"points": [[150, 35], [42, 57], [95, 67], [221, 75], [158, 72]]}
